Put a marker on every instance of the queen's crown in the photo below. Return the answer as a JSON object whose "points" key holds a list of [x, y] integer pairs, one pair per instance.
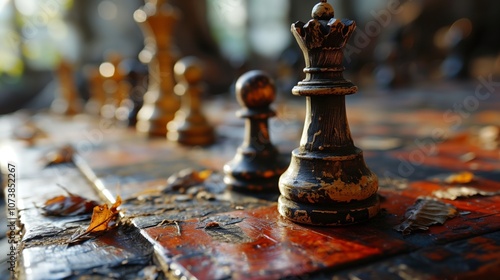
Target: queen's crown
{"points": [[323, 30], [322, 40]]}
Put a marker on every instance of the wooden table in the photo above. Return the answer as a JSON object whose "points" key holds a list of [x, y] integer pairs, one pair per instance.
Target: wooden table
{"points": [[412, 139]]}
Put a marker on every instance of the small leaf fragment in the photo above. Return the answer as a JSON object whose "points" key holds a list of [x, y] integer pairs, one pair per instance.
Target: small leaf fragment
{"points": [[185, 179], [424, 213], [212, 225], [103, 219], [63, 154], [29, 132], [70, 205], [460, 178], [459, 192], [489, 137], [149, 273]]}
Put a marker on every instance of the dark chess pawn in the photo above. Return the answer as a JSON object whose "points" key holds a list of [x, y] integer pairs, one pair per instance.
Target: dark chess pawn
{"points": [[190, 127], [257, 166]]}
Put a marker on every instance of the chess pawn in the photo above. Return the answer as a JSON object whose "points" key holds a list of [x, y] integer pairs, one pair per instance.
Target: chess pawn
{"points": [[327, 182], [157, 20], [68, 102], [190, 127], [257, 164]]}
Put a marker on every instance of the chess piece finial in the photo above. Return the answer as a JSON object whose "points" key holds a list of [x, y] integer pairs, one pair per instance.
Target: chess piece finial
{"points": [[157, 20], [68, 102], [257, 164], [327, 182], [323, 10], [190, 127]]}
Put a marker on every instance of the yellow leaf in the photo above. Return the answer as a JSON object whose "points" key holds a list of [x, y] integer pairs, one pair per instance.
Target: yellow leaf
{"points": [[102, 215], [102, 218], [117, 203], [460, 178], [204, 174]]}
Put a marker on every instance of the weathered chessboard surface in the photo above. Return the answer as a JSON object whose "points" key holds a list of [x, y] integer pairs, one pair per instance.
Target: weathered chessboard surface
{"points": [[224, 235]]}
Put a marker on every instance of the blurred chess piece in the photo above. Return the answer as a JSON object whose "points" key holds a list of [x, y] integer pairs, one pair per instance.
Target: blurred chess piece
{"points": [[68, 102], [119, 90], [257, 164], [138, 77], [97, 94], [196, 39], [190, 127], [125, 105], [157, 20], [116, 88], [453, 40], [327, 182]]}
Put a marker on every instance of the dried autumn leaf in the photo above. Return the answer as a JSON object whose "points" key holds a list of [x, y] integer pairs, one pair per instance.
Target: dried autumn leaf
{"points": [[185, 179], [460, 178], [489, 137], [458, 192], [426, 212], [393, 183], [63, 154], [149, 273], [28, 132], [70, 205], [219, 221], [212, 225], [103, 218]]}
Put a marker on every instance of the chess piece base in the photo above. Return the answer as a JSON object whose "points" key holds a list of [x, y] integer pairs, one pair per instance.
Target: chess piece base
{"points": [[192, 136], [254, 176], [151, 129], [153, 121], [336, 214], [60, 106], [328, 188]]}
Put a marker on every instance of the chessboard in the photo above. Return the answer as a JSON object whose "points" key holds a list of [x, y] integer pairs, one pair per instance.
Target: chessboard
{"points": [[400, 184], [216, 233]]}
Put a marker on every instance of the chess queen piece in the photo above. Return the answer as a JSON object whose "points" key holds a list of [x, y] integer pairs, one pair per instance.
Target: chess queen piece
{"points": [[156, 19], [68, 102], [190, 127], [257, 164], [327, 182]]}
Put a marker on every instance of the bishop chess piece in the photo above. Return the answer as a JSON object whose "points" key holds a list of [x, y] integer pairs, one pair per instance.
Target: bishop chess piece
{"points": [[157, 19], [190, 127], [68, 102], [327, 182], [257, 164]]}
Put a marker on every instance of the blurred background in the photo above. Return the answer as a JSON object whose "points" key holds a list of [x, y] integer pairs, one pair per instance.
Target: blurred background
{"points": [[397, 43]]}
